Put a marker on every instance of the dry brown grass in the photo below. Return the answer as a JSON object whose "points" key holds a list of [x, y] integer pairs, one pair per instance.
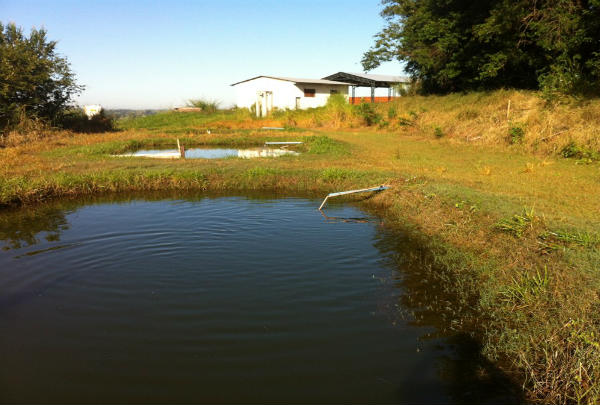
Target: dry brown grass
{"points": [[478, 118]]}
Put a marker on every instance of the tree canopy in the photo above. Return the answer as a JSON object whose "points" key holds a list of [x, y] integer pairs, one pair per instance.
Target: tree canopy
{"points": [[34, 79], [457, 45]]}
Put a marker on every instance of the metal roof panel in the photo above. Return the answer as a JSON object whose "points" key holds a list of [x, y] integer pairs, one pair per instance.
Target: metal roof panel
{"points": [[296, 80]]}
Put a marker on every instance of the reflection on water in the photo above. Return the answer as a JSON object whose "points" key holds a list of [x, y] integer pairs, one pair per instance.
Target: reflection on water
{"points": [[21, 228], [212, 153], [329, 218], [428, 299], [227, 300]]}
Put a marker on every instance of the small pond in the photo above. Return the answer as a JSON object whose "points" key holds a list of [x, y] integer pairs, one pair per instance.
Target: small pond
{"points": [[212, 153], [223, 299]]}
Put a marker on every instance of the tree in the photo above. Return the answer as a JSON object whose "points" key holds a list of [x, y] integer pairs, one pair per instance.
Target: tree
{"points": [[456, 45], [34, 80]]}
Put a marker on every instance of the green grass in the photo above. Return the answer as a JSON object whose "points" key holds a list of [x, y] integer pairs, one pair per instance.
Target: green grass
{"points": [[580, 238], [526, 288], [323, 144], [181, 122]]}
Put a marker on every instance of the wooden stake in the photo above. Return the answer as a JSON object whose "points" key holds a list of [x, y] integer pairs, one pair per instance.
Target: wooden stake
{"points": [[181, 149], [508, 110]]}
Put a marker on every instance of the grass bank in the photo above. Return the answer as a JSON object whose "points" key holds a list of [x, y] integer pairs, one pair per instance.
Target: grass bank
{"points": [[518, 120], [510, 231]]}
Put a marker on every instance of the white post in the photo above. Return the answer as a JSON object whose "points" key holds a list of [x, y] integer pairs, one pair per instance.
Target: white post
{"points": [[263, 96], [258, 106]]}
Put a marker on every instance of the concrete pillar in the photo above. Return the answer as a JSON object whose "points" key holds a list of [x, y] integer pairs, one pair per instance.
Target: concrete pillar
{"points": [[261, 108], [372, 94]]}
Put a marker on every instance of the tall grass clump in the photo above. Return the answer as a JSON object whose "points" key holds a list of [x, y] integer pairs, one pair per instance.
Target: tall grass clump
{"points": [[516, 134], [207, 106], [517, 224], [368, 113], [337, 110]]}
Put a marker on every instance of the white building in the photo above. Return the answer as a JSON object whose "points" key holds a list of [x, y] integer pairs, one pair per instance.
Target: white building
{"points": [[91, 110], [268, 92]]}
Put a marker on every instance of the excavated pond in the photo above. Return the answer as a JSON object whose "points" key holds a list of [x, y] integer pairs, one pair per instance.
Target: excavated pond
{"points": [[225, 299]]}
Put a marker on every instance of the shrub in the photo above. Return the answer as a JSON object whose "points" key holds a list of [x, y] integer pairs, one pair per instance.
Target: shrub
{"points": [[572, 150], [516, 134], [75, 120], [205, 105], [368, 114], [23, 129], [337, 110], [392, 112], [437, 132]]}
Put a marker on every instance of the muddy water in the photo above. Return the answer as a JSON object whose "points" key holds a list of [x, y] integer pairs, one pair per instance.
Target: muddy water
{"points": [[228, 299]]}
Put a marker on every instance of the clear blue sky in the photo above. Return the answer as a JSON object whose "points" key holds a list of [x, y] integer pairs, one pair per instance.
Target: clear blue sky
{"points": [[157, 54]]}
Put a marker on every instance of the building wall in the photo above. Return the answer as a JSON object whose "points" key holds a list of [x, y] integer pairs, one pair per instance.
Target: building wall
{"points": [[359, 100], [285, 93], [322, 93]]}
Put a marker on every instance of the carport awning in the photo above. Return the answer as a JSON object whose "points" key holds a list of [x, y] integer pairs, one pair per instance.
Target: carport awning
{"points": [[297, 80], [367, 80]]}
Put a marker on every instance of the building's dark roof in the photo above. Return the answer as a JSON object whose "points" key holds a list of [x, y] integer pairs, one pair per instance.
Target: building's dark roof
{"points": [[363, 79], [296, 80]]}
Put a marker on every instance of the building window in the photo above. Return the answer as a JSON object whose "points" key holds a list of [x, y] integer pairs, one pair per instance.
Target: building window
{"points": [[309, 92], [333, 91]]}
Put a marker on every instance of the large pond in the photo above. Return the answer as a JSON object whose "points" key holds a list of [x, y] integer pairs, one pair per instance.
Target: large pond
{"points": [[223, 299]]}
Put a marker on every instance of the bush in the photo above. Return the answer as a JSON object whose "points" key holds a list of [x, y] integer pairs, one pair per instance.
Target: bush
{"points": [[76, 121], [337, 101], [23, 129], [205, 105], [516, 134], [392, 112], [367, 113], [574, 151]]}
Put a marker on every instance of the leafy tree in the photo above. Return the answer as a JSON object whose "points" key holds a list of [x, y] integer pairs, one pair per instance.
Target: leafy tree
{"points": [[454, 45], [34, 80]]}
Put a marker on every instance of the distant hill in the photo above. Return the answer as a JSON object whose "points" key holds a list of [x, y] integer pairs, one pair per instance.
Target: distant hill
{"points": [[123, 112]]}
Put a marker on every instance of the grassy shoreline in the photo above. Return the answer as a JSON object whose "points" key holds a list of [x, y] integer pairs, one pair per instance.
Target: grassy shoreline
{"points": [[512, 235]]}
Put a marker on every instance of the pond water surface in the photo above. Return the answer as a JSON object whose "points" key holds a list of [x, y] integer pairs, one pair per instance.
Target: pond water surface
{"points": [[211, 153], [228, 299]]}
